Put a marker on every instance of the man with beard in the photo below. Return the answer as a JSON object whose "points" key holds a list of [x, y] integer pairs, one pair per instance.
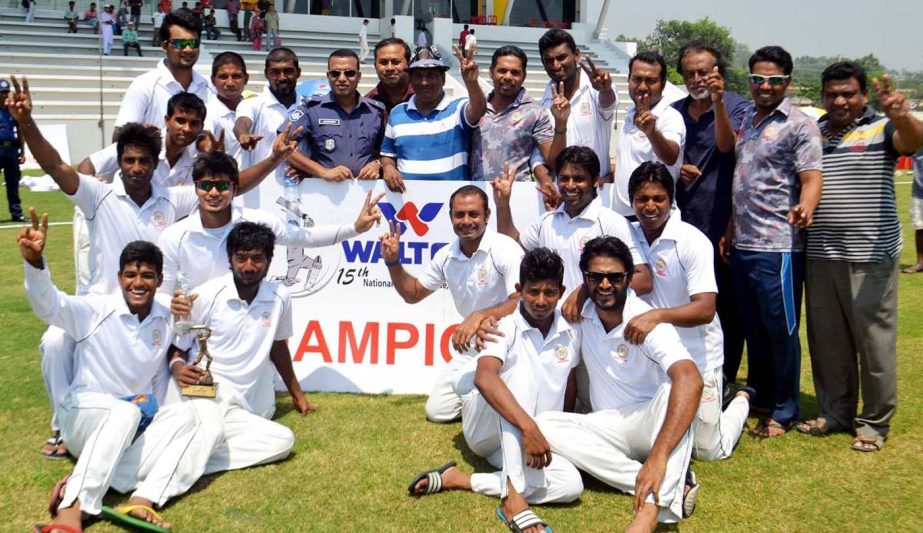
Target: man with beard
{"points": [[342, 131], [703, 192], [644, 397], [392, 56], [480, 269], [145, 101], [777, 185], [653, 131]]}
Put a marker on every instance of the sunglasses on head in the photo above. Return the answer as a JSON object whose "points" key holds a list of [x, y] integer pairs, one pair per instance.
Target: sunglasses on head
{"points": [[179, 44], [615, 278], [757, 79], [336, 73], [207, 185]]}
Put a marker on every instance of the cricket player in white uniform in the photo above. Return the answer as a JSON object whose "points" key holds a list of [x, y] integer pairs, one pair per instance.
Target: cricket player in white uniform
{"points": [[684, 295], [119, 380], [480, 268], [645, 397], [525, 370], [250, 320]]}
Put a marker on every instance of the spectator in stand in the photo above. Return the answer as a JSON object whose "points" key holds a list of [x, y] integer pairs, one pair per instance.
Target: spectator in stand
{"points": [[121, 18], [233, 8], [471, 42], [71, 16], [30, 10], [248, 16], [916, 212], [91, 17], [422, 39], [271, 23], [462, 36], [134, 9], [393, 29], [364, 40], [391, 59], [257, 27], [130, 39], [107, 21], [199, 12], [166, 6], [157, 21], [212, 32]]}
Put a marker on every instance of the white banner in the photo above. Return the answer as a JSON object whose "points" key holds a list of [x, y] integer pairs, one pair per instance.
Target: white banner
{"points": [[353, 332]]}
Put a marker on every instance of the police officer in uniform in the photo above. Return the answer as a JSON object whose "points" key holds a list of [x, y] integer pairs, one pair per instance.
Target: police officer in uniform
{"points": [[12, 154]]}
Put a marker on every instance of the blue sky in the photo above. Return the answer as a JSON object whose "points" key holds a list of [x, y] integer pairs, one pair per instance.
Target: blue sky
{"points": [[890, 29]]}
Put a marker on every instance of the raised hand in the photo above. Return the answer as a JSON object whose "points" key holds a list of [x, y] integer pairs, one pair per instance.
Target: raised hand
{"points": [[600, 79], [286, 142], [715, 83], [206, 142], [645, 120], [248, 141], [469, 68], [689, 173], [370, 214], [560, 105], [391, 243], [19, 101], [503, 184], [550, 195], [893, 104], [32, 239]]}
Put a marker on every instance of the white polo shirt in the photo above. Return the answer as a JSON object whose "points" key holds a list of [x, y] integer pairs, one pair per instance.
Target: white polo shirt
{"points": [[483, 280], [589, 124], [682, 263], [268, 115], [634, 148], [114, 220], [567, 236], [221, 117], [106, 164], [201, 253], [550, 359], [146, 99], [242, 334], [115, 354], [624, 374]]}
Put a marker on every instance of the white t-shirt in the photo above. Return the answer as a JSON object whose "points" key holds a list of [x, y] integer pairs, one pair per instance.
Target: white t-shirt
{"points": [[221, 117], [115, 354], [549, 359], [624, 374], [114, 220], [483, 280], [589, 124], [146, 99], [106, 164], [157, 19], [682, 263], [634, 148], [242, 334], [567, 236]]}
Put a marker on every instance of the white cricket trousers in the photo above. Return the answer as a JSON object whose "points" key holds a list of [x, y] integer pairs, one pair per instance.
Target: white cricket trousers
{"points": [[715, 433], [57, 347], [612, 445], [444, 404], [101, 431]]}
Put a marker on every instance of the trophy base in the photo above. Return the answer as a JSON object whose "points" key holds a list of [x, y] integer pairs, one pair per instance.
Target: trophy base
{"points": [[200, 391]]}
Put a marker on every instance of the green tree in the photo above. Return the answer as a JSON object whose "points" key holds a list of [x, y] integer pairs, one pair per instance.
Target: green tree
{"points": [[670, 35]]}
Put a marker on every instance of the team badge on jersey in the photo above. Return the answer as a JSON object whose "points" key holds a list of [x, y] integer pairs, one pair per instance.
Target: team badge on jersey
{"points": [[515, 116], [330, 144], [660, 267], [708, 395], [159, 219], [560, 353], [266, 319], [585, 108], [621, 352], [156, 338], [482, 277], [770, 133]]}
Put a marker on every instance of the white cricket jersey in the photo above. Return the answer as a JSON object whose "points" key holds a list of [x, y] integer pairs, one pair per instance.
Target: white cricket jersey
{"points": [[115, 354], [114, 220], [483, 280], [242, 334], [589, 124], [682, 263], [634, 148], [624, 374], [201, 253], [550, 358], [267, 115], [106, 164], [146, 99], [567, 236], [221, 117]]}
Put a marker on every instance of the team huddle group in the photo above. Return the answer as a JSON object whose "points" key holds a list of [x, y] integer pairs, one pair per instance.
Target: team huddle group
{"points": [[603, 337]]}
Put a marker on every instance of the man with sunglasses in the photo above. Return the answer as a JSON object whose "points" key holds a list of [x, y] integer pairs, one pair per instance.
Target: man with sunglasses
{"points": [[342, 131], [644, 397], [777, 186], [145, 101]]}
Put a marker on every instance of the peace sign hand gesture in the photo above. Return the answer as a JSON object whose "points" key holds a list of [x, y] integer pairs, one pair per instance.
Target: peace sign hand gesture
{"points": [[503, 185], [370, 214], [560, 105], [391, 243], [32, 239], [19, 102], [893, 104], [206, 142], [286, 142], [600, 79], [469, 68]]}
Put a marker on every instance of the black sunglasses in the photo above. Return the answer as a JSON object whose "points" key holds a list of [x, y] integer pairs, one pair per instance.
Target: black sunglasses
{"points": [[595, 278], [336, 73], [207, 185]]}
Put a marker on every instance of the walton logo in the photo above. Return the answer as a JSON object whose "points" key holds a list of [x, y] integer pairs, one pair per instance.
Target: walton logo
{"points": [[409, 213]]}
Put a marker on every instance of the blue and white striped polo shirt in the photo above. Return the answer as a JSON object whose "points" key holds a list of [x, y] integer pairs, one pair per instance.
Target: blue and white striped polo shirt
{"points": [[433, 146]]}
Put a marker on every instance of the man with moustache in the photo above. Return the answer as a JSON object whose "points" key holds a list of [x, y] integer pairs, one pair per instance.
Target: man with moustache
{"points": [[392, 56], [652, 131], [342, 131], [703, 191]]}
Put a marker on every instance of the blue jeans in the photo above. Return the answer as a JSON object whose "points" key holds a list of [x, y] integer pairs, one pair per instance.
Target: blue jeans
{"points": [[768, 287]]}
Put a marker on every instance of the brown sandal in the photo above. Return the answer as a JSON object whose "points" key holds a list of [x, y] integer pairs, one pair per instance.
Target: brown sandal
{"points": [[868, 443], [769, 428]]}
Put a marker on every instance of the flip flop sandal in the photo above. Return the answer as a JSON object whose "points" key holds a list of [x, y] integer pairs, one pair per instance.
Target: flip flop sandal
{"points": [[120, 516], [54, 447], [764, 427], [819, 427], [866, 444], [48, 528], [57, 495], [523, 521], [433, 480]]}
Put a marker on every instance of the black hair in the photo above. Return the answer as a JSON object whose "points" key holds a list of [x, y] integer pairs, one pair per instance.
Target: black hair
{"points": [[651, 58], [228, 58], [773, 54], [509, 50], [141, 136], [247, 236], [143, 252], [554, 38], [844, 70], [184, 18], [541, 264], [650, 172], [695, 47], [607, 246], [215, 164], [186, 102], [581, 156], [281, 54], [470, 190], [343, 52], [390, 41]]}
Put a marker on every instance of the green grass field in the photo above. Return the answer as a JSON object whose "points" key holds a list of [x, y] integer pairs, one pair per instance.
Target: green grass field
{"points": [[355, 456]]}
